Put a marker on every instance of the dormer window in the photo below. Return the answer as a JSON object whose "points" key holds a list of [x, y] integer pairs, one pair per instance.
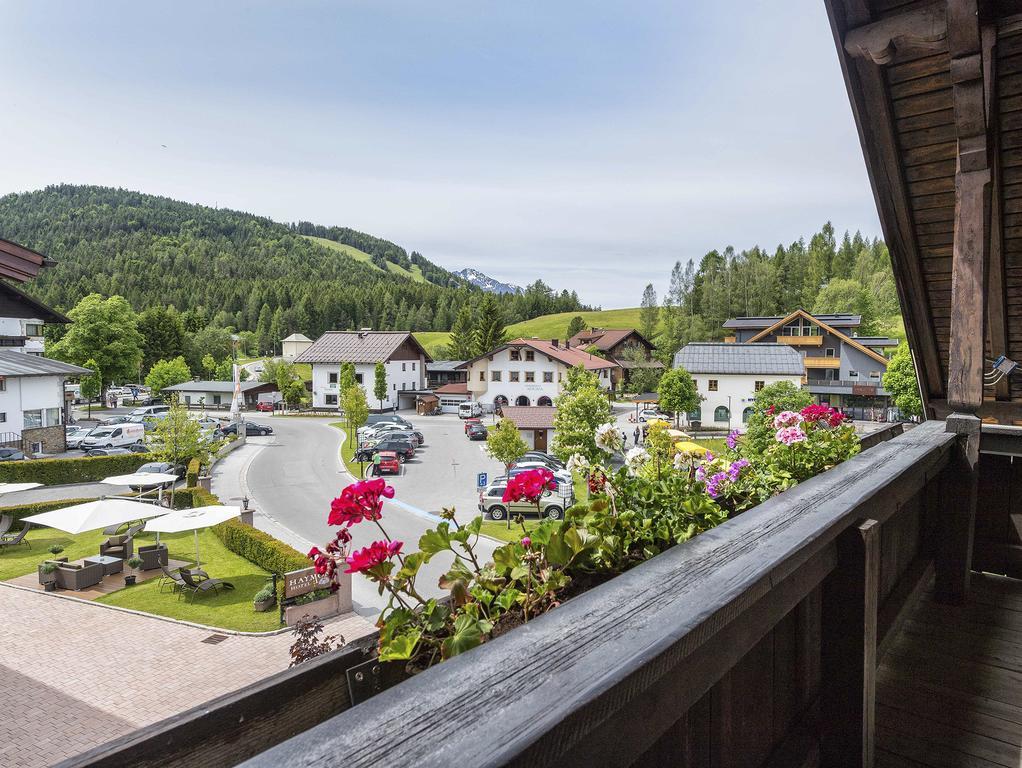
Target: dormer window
{"points": [[516, 355]]}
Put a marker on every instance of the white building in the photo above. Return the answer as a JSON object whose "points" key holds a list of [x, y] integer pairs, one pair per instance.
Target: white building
{"points": [[403, 358], [535, 424], [728, 376], [294, 345], [32, 401], [530, 372]]}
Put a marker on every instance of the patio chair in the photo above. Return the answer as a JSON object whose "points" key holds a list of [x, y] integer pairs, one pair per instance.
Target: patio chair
{"points": [[6, 521], [153, 556], [18, 538], [173, 578], [204, 586], [121, 546], [79, 576]]}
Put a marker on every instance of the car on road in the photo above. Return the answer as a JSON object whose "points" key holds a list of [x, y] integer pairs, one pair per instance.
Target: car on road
{"points": [[11, 454], [492, 504], [75, 435], [264, 406], [470, 409], [652, 414], [108, 452], [163, 468], [251, 429], [389, 463], [113, 437], [476, 431], [469, 422], [109, 421]]}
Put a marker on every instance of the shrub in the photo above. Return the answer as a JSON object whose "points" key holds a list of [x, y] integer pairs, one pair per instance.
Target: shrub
{"points": [[186, 498], [780, 396], [260, 548], [192, 475], [56, 549], [263, 594], [49, 567], [25, 510], [88, 469]]}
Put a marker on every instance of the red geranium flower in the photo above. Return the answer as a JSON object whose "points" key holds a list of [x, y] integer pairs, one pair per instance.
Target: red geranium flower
{"points": [[770, 410], [529, 486], [360, 501], [375, 554], [816, 413]]}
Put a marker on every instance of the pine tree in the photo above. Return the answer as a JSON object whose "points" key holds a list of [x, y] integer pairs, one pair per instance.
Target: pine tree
{"points": [[577, 324], [649, 314], [489, 330], [462, 344], [380, 383]]}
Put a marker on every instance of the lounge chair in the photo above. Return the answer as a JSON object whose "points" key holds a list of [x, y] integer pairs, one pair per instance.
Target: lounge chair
{"points": [[6, 521], [173, 578], [18, 538], [206, 585]]}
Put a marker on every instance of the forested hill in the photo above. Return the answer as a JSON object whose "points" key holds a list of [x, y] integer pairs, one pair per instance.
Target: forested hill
{"points": [[233, 269]]}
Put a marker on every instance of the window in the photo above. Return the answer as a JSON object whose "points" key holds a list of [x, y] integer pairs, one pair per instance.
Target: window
{"points": [[413, 366], [52, 417], [331, 378], [758, 385], [3, 417], [358, 378], [853, 374], [711, 385], [721, 413], [548, 377], [746, 415], [330, 400], [558, 376], [529, 377], [393, 387], [516, 355], [874, 374], [696, 415], [33, 329], [216, 399], [530, 356], [3, 384], [482, 375], [829, 352], [404, 366], [513, 376], [494, 375]]}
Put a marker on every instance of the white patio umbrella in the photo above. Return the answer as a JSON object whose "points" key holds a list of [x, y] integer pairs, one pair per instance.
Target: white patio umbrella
{"points": [[142, 480], [15, 487], [91, 515], [192, 520]]}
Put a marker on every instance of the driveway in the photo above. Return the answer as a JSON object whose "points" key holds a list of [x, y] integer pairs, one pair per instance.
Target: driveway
{"points": [[291, 477]]}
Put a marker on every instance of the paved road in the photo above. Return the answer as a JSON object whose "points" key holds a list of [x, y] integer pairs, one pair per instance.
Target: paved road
{"points": [[292, 476]]}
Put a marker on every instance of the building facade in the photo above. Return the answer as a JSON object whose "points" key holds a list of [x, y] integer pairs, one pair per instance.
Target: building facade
{"points": [[728, 376], [440, 373], [535, 424], [624, 346], [294, 345], [403, 358], [219, 394], [841, 368], [528, 372]]}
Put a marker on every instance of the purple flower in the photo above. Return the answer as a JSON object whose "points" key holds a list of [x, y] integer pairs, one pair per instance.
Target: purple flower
{"points": [[713, 486], [732, 438]]}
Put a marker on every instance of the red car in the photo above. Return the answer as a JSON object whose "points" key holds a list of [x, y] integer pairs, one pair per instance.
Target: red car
{"points": [[469, 422], [389, 462], [264, 406]]}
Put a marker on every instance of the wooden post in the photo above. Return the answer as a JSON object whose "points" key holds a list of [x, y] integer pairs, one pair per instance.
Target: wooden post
{"points": [[848, 650], [956, 518]]}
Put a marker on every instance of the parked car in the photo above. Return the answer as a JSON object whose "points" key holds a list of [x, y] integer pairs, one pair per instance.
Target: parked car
{"points": [[652, 414], [151, 401], [264, 406], [384, 418], [402, 435], [403, 447], [163, 467], [11, 454], [209, 422], [251, 429], [389, 463], [469, 409], [492, 504], [550, 460], [75, 435], [109, 421], [469, 422], [378, 430], [107, 452], [114, 436], [150, 409], [138, 448], [560, 476], [476, 431]]}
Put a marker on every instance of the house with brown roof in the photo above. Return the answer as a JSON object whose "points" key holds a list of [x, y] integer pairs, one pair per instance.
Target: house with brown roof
{"points": [[403, 358], [535, 424], [615, 344], [530, 372]]}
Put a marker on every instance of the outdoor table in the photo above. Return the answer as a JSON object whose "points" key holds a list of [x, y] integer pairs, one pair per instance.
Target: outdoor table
{"points": [[110, 564]]}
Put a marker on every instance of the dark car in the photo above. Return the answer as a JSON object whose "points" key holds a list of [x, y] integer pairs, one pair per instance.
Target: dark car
{"points": [[107, 452], [400, 434], [162, 467], [138, 448], [11, 454], [476, 432], [152, 401], [545, 458], [251, 429], [402, 447]]}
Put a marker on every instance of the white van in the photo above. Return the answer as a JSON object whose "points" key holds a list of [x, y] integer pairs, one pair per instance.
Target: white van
{"points": [[470, 409], [114, 436]]}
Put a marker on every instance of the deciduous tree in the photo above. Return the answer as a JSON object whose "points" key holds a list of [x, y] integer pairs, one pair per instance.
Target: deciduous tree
{"points": [[91, 385], [380, 383], [677, 391], [505, 443], [166, 373], [106, 332], [900, 380]]}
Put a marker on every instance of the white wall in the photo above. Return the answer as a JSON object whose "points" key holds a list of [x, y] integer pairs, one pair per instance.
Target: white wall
{"points": [[20, 394], [402, 375], [487, 391], [735, 392]]}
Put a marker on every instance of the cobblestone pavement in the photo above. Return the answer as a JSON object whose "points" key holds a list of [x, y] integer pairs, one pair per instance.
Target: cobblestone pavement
{"points": [[76, 675]]}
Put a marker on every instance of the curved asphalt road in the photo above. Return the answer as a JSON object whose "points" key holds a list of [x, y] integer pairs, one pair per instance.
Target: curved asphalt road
{"points": [[294, 474]]}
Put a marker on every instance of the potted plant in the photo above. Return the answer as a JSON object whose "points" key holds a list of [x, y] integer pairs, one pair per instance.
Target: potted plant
{"points": [[48, 576], [264, 599], [134, 563], [56, 549]]}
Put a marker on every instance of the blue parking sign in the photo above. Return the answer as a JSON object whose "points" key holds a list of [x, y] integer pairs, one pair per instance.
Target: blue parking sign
{"points": [[481, 480]]}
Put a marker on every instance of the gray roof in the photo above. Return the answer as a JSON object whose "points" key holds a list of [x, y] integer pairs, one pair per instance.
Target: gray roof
{"points": [[215, 386], [357, 347], [23, 364], [723, 358], [839, 320], [443, 365]]}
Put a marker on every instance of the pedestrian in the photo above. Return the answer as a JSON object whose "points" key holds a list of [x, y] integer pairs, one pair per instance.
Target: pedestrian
{"points": [[376, 464], [624, 439], [636, 434], [645, 431]]}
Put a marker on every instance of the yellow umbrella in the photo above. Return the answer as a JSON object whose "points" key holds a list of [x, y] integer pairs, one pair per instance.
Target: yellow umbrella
{"points": [[690, 447]]}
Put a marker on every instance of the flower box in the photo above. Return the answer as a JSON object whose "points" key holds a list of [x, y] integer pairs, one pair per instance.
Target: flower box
{"points": [[336, 603]]}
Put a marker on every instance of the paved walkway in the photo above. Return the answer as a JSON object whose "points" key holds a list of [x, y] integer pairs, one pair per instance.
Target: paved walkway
{"points": [[76, 674]]}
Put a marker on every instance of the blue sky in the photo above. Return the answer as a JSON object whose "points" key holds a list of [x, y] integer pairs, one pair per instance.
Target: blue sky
{"points": [[590, 144]]}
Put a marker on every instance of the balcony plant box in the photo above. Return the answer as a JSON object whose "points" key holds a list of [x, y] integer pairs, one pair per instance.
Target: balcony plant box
{"points": [[323, 607]]}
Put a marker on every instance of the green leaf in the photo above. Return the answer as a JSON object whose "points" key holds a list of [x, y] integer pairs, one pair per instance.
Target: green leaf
{"points": [[507, 556], [435, 540], [468, 633], [508, 598], [413, 563], [519, 572], [400, 647]]}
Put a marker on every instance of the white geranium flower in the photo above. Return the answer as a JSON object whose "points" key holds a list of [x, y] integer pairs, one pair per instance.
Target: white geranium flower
{"points": [[608, 438], [578, 464], [635, 458], [681, 461]]}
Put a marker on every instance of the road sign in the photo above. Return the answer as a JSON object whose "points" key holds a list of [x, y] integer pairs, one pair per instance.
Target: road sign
{"points": [[481, 480]]}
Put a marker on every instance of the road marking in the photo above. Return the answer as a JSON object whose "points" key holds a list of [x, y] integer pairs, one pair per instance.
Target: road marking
{"points": [[415, 510]]}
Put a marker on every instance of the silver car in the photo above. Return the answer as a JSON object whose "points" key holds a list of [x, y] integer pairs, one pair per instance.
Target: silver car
{"points": [[551, 505]]}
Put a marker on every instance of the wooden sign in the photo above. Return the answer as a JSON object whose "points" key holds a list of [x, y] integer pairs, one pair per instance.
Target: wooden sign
{"points": [[864, 390], [304, 581]]}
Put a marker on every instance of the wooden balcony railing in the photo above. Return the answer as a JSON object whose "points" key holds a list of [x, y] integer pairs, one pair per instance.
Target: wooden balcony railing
{"points": [[821, 362], [757, 639], [801, 341]]}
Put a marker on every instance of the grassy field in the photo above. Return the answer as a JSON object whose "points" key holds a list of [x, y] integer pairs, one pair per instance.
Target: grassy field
{"points": [[415, 273], [231, 609], [544, 327]]}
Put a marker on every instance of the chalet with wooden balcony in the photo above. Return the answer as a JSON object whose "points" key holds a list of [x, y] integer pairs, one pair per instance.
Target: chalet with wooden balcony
{"points": [[870, 616], [842, 369]]}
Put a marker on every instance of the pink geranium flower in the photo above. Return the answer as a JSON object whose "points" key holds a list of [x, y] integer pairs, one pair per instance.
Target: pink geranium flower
{"points": [[377, 553], [360, 501], [787, 419], [529, 486], [790, 435]]}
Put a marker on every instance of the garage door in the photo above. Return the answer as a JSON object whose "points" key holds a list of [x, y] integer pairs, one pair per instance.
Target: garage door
{"points": [[450, 404]]}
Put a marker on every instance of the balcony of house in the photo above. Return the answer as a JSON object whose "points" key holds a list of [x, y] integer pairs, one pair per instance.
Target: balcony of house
{"points": [[816, 363], [801, 341], [865, 387], [814, 629]]}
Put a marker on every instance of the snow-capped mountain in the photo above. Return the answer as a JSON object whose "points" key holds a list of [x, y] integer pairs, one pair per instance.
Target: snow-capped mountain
{"points": [[487, 283]]}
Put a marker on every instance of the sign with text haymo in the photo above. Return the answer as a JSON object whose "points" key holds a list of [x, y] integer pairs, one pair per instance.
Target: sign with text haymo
{"points": [[301, 582]]}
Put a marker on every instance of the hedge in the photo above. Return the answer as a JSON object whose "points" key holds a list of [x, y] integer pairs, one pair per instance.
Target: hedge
{"points": [[261, 548], [87, 469], [186, 498], [192, 475], [24, 510]]}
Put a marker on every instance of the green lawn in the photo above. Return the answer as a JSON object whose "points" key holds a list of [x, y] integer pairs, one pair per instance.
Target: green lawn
{"points": [[228, 610], [415, 273], [348, 448]]}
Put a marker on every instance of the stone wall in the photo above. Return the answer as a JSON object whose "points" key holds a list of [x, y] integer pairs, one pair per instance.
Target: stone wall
{"points": [[54, 439]]}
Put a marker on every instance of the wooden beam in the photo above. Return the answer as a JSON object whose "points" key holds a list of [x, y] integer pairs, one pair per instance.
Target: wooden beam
{"points": [[1005, 412], [920, 29]]}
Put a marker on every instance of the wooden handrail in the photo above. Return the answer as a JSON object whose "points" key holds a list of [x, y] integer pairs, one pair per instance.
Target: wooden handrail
{"points": [[600, 679]]}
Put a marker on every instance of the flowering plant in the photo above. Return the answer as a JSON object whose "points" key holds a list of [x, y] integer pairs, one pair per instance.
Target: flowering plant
{"points": [[811, 441]]}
